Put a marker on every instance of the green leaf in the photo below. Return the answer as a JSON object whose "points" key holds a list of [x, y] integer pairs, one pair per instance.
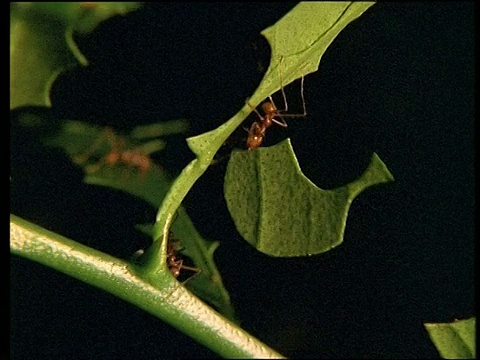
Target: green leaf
{"points": [[41, 44], [454, 340], [298, 41], [274, 206], [78, 138], [279, 211]]}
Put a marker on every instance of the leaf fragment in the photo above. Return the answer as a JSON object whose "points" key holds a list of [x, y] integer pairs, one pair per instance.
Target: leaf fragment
{"points": [[279, 211]]}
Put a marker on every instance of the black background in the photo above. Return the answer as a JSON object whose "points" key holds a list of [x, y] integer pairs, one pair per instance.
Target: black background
{"points": [[398, 81]]}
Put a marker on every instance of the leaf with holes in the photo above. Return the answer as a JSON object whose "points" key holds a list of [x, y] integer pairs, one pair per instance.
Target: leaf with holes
{"points": [[76, 139], [298, 40]]}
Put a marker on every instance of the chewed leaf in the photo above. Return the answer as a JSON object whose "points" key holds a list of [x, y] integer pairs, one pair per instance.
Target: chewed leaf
{"points": [[279, 211], [454, 340], [298, 58], [41, 43], [274, 206], [78, 138], [300, 39]]}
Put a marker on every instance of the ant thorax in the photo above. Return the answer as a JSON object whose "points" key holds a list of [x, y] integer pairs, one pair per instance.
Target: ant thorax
{"points": [[176, 264], [271, 115]]}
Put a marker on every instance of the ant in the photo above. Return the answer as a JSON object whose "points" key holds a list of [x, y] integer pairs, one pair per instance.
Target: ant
{"points": [[176, 265], [257, 130], [134, 157]]}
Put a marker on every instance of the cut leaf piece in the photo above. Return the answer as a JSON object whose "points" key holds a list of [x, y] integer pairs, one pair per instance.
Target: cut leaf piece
{"points": [[454, 340], [279, 211]]}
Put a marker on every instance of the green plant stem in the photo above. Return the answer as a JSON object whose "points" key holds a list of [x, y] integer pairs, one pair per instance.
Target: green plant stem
{"points": [[166, 299], [204, 146]]}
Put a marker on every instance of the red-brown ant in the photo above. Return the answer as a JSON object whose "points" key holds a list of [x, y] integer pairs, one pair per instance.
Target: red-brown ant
{"points": [[257, 130], [176, 265], [116, 155]]}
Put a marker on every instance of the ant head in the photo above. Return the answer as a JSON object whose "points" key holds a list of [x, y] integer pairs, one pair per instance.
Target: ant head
{"points": [[269, 108]]}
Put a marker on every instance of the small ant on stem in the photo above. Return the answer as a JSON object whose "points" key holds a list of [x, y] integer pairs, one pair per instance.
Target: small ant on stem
{"points": [[257, 130], [176, 265]]}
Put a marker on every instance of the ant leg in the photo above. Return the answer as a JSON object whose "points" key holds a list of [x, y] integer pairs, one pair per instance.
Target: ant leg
{"points": [[303, 103], [189, 268], [303, 97], [283, 91], [273, 103], [281, 85], [282, 123], [197, 271], [254, 109], [177, 267]]}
